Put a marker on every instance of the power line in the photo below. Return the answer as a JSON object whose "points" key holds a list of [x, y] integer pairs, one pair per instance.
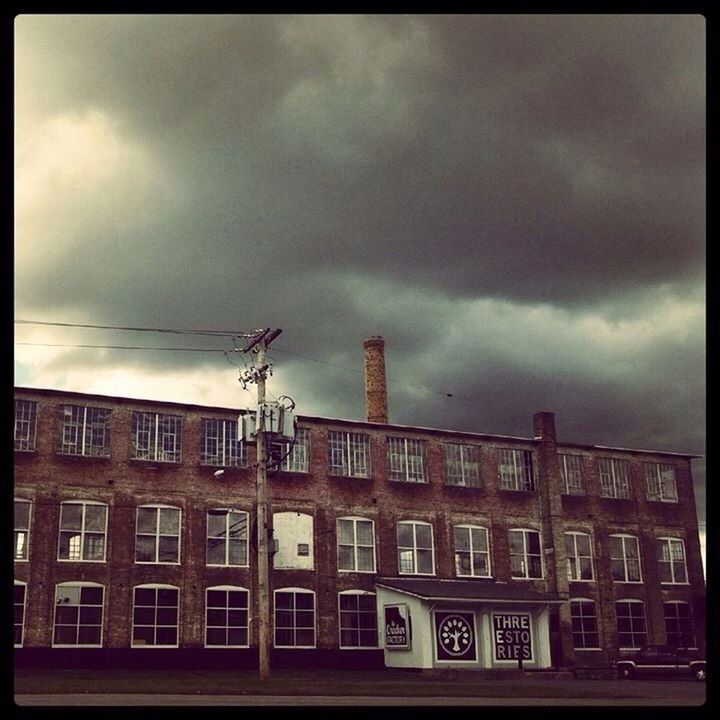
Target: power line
{"points": [[224, 333], [121, 347]]}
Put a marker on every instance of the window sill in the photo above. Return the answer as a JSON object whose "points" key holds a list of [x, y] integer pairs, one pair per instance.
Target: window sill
{"points": [[335, 476], [398, 481], [77, 456], [155, 464]]}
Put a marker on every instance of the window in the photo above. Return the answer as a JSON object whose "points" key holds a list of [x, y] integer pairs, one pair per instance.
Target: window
{"points": [[219, 444], [661, 484], [157, 539], [578, 547], [83, 431], [679, 628], [155, 616], [631, 626], [19, 613], [25, 424], [227, 537], [83, 526], [671, 561], [356, 544], [358, 619], [294, 618], [155, 437], [571, 474], [625, 558], [78, 614], [416, 554], [515, 470], [462, 465], [472, 552], [297, 459], [348, 453], [614, 478], [226, 617], [583, 615], [22, 528], [525, 556], [405, 460]]}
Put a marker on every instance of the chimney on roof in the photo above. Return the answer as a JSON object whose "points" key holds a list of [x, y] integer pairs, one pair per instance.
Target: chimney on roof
{"points": [[375, 387]]}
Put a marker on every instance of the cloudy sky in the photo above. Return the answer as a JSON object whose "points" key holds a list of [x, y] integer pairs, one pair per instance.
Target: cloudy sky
{"points": [[515, 203]]}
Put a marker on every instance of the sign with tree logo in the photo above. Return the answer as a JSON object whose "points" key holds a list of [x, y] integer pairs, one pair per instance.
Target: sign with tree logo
{"points": [[397, 627], [455, 636]]}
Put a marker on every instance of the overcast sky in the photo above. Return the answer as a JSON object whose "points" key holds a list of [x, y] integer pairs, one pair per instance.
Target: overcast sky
{"points": [[515, 203]]}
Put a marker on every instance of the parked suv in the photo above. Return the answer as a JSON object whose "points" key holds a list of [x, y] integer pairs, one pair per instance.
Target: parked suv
{"points": [[660, 661]]}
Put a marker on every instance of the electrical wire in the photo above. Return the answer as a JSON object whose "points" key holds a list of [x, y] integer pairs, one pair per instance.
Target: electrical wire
{"points": [[224, 333], [121, 347]]}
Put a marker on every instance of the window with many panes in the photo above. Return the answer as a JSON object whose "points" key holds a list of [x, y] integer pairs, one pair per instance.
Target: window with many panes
{"points": [[83, 431], [406, 460], [78, 614], [578, 548], [296, 455], [227, 537], [21, 522], [294, 618], [155, 616], [19, 592], [472, 551], [358, 619], [462, 464], [631, 625], [156, 437], [157, 537], [25, 424], [525, 555], [571, 474], [583, 616], [83, 528], [679, 627], [219, 444], [614, 478], [226, 616], [348, 454], [660, 482], [416, 552], [515, 470], [625, 558], [671, 561], [356, 544]]}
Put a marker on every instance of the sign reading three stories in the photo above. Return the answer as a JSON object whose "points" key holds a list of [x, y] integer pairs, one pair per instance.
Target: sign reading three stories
{"points": [[512, 636]]}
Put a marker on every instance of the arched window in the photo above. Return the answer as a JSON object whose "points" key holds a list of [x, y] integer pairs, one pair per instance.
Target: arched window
{"points": [[294, 618], [19, 594], [155, 616], [578, 548], [357, 610], [583, 613], [227, 537], [525, 554], [157, 535], [416, 550], [83, 529], [679, 627], [472, 551], [78, 614], [22, 514], [356, 544], [631, 624], [671, 561], [226, 616], [625, 558]]}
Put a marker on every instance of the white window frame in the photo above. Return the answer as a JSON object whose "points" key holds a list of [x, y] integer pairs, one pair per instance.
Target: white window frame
{"points": [[615, 478], [226, 538], [516, 470], [414, 547], [525, 565], [80, 585], [625, 557], [230, 451], [355, 545], [406, 460], [676, 617], [672, 562], [157, 534], [298, 460], [573, 568], [582, 632], [155, 586], [633, 632], [462, 465], [83, 531], [348, 454], [571, 473], [23, 585], [661, 482], [22, 531], [294, 591], [358, 612], [472, 551], [152, 448], [84, 420], [25, 427], [227, 627]]}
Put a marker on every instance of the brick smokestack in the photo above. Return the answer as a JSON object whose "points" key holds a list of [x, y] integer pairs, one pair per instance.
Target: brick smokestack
{"points": [[375, 388]]}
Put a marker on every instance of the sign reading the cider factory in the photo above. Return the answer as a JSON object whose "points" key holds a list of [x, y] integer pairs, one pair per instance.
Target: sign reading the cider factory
{"points": [[512, 637], [455, 636], [397, 627]]}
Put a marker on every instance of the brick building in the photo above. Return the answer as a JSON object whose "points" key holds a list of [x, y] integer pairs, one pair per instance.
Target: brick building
{"points": [[408, 546]]}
